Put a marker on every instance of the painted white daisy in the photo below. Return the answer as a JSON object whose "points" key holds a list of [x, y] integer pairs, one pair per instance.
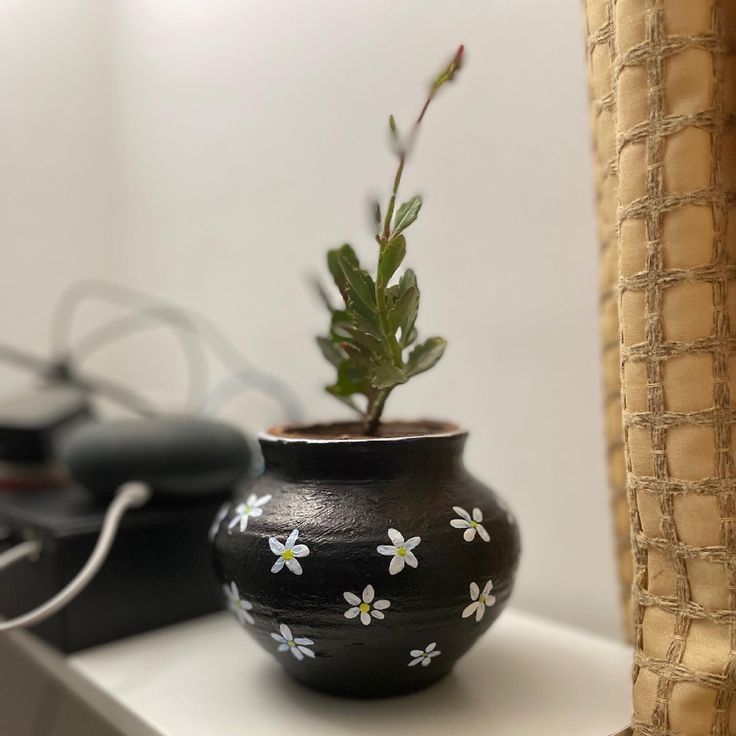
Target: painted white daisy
{"points": [[424, 655], [470, 524], [244, 511], [297, 645], [287, 553], [480, 600], [215, 526], [400, 551], [239, 607], [367, 607]]}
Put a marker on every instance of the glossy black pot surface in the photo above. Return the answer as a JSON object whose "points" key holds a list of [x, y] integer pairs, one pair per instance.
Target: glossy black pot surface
{"points": [[366, 566]]}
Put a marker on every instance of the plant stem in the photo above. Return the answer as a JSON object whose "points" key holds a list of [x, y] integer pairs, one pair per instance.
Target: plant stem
{"points": [[373, 414]]}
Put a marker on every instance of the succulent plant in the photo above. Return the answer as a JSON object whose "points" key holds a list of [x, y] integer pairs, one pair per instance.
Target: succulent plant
{"points": [[372, 340]]}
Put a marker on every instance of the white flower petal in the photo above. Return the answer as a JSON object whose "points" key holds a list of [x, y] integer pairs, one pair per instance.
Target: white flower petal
{"points": [[352, 612], [470, 609], [433, 654], [460, 523], [479, 613], [469, 534], [491, 600], [277, 565], [365, 618], [291, 539], [247, 617], [295, 651], [300, 550], [234, 590], [306, 651], [233, 522], [247, 605], [411, 559], [426, 661], [377, 614], [285, 631], [382, 604], [261, 501], [412, 542], [351, 598], [416, 653], [474, 591], [431, 647], [278, 637], [276, 547], [488, 587], [243, 522], [396, 537], [484, 535], [283, 648], [368, 594], [415, 661], [304, 641], [396, 565], [251, 499], [386, 549], [255, 512], [477, 514], [461, 512], [294, 565]]}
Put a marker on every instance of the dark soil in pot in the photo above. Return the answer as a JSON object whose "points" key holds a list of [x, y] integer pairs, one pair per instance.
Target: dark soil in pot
{"points": [[366, 565]]}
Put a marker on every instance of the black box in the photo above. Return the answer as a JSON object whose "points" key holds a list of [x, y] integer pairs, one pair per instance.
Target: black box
{"points": [[159, 570]]}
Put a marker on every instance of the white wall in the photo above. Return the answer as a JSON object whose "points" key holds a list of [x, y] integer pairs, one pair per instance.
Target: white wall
{"points": [[245, 138], [57, 214]]}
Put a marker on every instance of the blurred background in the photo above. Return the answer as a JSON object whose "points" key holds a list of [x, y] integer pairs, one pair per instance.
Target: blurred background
{"points": [[209, 152]]}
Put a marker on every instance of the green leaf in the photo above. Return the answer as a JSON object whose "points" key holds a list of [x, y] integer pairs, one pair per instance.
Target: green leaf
{"points": [[331, 351], [407, 282], [367, 341], [361, 356], [405, 309], [335, 259], [387, 375], [369, 324], [351, 379], [390, 258], [406, 214], [359, 285], [425, 355]]}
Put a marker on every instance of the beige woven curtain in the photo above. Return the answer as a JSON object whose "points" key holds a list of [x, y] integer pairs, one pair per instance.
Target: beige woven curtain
{"points": [[663, 81]]}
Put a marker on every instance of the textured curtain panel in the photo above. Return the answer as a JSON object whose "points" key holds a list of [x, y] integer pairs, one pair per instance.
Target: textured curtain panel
{"points": [[672, 94], [601, 64]]}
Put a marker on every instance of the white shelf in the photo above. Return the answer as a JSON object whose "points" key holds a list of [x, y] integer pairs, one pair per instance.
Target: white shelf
{"points": [[526, 677]]}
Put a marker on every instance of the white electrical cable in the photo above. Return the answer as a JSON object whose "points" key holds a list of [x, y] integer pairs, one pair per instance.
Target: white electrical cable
{"points": [[31, 548], [128, 496]]}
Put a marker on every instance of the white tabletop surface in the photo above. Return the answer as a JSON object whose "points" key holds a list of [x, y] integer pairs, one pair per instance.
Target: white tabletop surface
{"points": [[527, 676]]}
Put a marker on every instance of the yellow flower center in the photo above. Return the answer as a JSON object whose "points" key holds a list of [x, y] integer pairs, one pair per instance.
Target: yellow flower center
{"points": [[287, 554], [474, 524], [401, 551], [482, 599], [364, 607], [291, 643]]}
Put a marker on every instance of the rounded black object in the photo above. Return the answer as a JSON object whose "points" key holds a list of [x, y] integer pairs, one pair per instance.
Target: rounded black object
{"points": [[366, 566], [177, 456]]}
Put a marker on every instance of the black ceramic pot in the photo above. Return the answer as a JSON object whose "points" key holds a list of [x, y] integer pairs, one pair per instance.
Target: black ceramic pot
{"points": [[366, 566]]}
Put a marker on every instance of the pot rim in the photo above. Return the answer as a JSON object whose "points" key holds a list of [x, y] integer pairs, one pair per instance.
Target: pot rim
{"points": [[274, 434]]}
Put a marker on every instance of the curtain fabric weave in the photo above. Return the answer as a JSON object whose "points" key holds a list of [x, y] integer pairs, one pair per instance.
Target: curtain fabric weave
{"points": [[666, 70]]}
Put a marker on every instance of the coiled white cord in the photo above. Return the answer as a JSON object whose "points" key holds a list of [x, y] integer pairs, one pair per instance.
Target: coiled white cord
{"points": [[130, 495]]}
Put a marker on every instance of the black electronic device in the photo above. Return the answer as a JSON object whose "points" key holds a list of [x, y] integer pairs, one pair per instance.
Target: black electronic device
{"points": [[158, 571], [33, 424]]}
